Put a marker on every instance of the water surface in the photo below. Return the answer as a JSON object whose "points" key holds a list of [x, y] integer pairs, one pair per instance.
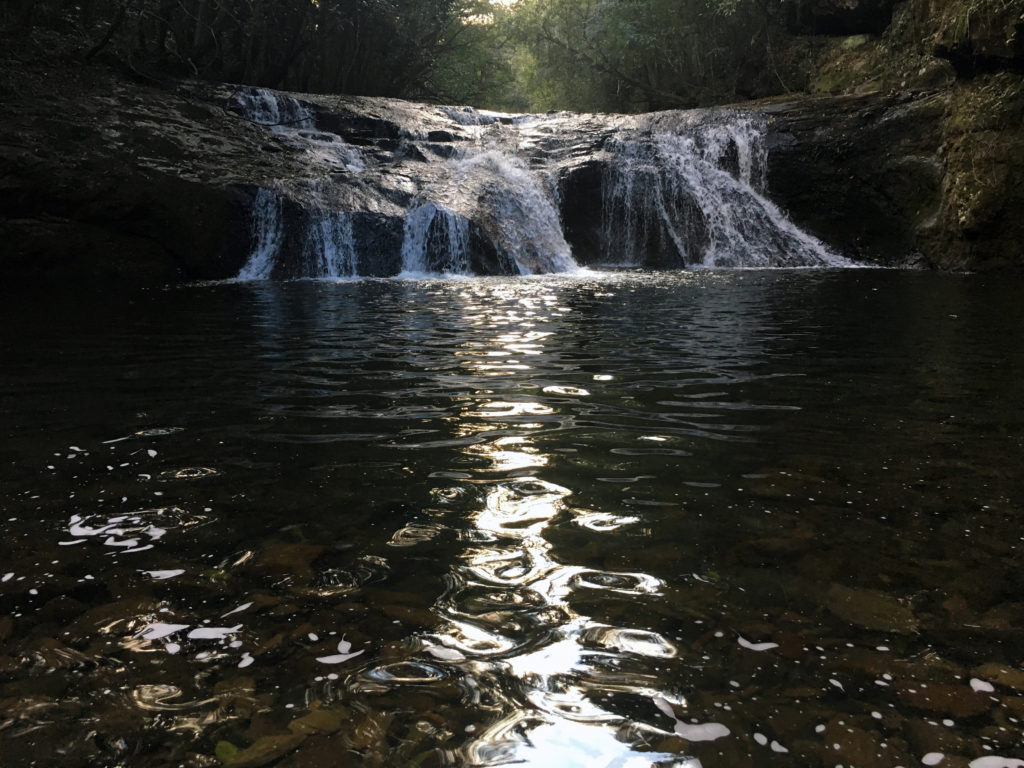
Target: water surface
{"points": [[706, 518]]}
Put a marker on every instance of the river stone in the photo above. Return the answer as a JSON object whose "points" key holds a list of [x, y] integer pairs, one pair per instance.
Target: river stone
{"points": [[925, 737], [852, 745], [955, 700], [264, 751], [319, 721], [870, 609], [287, 559]]}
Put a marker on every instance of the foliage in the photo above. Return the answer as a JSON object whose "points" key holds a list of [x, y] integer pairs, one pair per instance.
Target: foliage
{"points": [[631, 55], [382, 47], [516, 55]]}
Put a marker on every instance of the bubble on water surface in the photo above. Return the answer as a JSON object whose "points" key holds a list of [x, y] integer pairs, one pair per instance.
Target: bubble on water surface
{"points": [[701, 731], [413, 534], [213, 633], [755, 646]]}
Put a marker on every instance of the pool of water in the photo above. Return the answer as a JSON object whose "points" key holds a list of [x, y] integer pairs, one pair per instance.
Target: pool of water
{"points": [[709, 519]]}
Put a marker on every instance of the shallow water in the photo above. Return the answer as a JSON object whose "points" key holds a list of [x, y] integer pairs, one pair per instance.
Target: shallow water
{"points": [[706, 518]]}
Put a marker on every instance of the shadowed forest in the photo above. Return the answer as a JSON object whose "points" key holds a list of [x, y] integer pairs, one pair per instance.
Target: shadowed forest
{"points": [[531, 55]]}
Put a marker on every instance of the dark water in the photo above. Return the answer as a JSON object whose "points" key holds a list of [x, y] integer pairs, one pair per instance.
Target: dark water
{"points": [[717, 519]]}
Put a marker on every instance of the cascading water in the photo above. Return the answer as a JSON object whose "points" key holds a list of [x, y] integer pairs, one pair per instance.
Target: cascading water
{"points": [[325, 242], [436, 240], [695, 198], [266, 229], [276, 111], [324, 239], [455, 191], [329, 245], [521, 212]]}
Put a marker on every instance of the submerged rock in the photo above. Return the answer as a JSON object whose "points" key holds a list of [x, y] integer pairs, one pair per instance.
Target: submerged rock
{"points": [[870, 609]]}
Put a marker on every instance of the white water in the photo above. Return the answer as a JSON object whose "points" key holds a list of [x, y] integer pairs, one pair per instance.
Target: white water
{"points": [[328, 248], [692, 196], [326, 241], [521, 211], [436, 241], [329, 245], [700, 193], [266, 235], [274, 110]]}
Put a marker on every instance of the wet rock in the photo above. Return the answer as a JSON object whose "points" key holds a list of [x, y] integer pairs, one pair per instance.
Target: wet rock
{"points": [[926, 737], [854, 745], [870, 609], [323, 752], [370, 730], [287, 559], [61, 609], [319, 721], [863, 173], [1004, 616], [48, 654], [264, 751]]}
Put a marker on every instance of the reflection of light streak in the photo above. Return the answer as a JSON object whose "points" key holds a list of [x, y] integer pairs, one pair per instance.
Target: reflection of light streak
{"points": [[508, 606]]}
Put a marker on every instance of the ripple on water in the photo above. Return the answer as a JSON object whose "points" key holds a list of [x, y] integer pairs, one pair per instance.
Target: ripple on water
{"points": [[413, 534], [339, 581], [637, 641], [623, 583], [560, 390], [162, 698], [188, 473], [409, 672], [158, 431], [604, 521], [650, 452]]}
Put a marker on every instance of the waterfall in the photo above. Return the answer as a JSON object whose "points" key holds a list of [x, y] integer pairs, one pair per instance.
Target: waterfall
{"points": [[325, 238], [276, 111], [457, 191], [694, 196], [519, 211], [436, 240], [266, 236], [329, 245]]}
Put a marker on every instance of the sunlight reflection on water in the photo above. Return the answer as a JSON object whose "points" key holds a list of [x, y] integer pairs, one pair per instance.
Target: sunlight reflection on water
{"points": [[714, 519]]}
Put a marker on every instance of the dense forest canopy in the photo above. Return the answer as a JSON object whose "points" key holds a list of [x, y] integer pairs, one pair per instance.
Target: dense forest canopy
{"points": [[608, 55]]}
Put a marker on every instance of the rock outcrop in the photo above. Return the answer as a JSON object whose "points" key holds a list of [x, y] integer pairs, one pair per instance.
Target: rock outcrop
{"points": [[106, 179]]}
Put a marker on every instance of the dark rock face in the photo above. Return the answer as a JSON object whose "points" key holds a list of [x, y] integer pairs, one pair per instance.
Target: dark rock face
{"points": [[579, 188], [863, 173]]}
